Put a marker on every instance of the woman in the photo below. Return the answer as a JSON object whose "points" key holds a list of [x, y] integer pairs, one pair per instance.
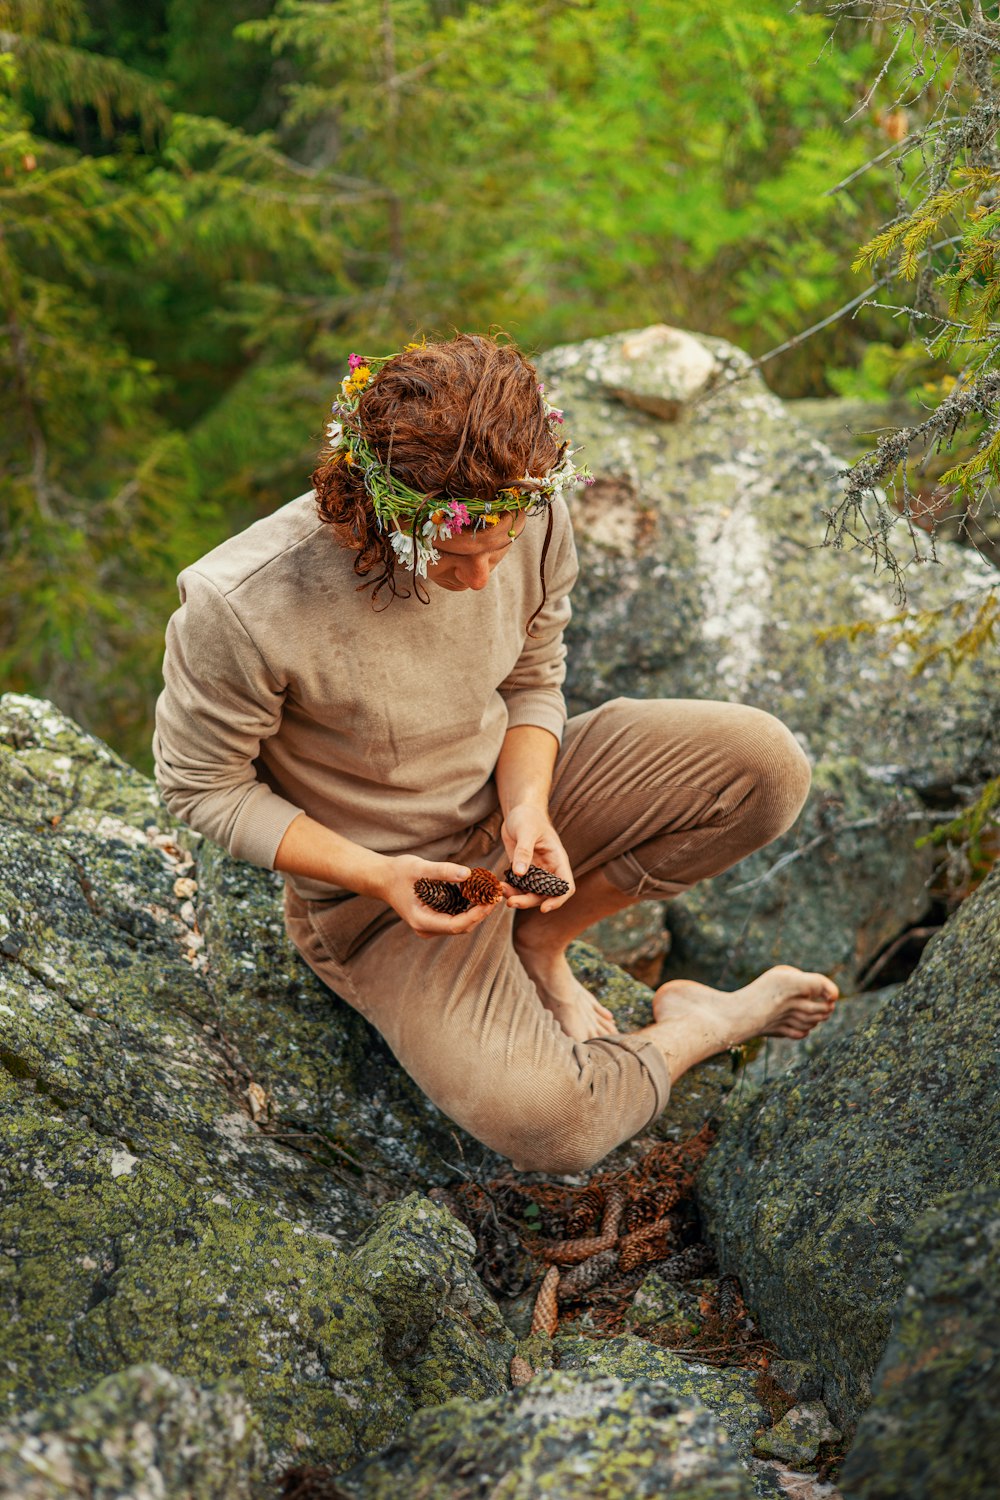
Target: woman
{"points": [[361, 736]]}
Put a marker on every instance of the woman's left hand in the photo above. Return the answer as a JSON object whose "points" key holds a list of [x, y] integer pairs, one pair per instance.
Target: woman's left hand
{"points": [[530, 839]]}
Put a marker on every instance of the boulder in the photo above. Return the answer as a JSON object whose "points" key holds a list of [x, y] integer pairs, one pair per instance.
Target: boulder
{"points": [[817, 1176], [703, 576], [828, 896], [207, 1161], [574, 1436], [143, 1433], [930, 1432]]}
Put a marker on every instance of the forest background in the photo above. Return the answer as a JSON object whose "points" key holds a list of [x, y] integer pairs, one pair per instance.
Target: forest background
{"points": [[206, 205]]}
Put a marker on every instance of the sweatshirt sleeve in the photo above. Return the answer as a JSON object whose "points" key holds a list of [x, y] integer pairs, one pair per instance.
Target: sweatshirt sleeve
{"points": [[533, 690], [220, 700]]}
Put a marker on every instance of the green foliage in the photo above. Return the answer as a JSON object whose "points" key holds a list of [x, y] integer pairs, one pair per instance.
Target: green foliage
{"points": [[205, 204], [973, 830], [940, 251]]}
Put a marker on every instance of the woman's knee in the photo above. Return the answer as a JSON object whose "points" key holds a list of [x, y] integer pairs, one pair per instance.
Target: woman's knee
{"points": [[777, 771], [558, 1127]]}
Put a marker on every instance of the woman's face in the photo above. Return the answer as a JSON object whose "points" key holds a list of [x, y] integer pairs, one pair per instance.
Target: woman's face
{"points": [[467, 560]]}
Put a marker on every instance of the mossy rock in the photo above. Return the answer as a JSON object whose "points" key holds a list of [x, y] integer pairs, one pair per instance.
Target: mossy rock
{"points": [[703, 576], [702, 573], [143, 1433], [730, 1394], [569, 1436], [816, 1177], [930, 1432]]}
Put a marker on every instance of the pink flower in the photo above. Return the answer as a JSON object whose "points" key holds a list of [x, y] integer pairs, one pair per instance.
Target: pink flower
{"points": [[460, 516], [354, 362], [555, 414]]}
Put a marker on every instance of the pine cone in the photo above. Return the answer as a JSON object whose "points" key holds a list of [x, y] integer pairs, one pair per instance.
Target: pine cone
{"points": [[538, 881], [442, 896], [545, 1317], [481, 888], [588, 1273]]}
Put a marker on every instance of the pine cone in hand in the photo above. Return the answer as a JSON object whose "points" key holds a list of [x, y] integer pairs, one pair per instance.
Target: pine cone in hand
{"points": [[539, 882], [481, 888], [441, 895]]}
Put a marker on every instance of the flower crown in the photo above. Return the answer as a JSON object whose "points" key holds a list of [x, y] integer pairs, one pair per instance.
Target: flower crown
{"points": [[412, 521]]}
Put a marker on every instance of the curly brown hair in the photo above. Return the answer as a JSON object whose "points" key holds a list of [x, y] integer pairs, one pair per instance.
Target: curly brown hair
{"points": [[457, 419]]}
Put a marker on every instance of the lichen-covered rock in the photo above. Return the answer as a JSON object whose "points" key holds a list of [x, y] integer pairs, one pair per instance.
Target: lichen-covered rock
{"points": [[571, 1436], [143, 1433], [637, 938], [702, 576], [198, 1141], [730, 1394], [930, 1433], [797, 1438], [442, 1334], [830, 910], [817, 1176]]}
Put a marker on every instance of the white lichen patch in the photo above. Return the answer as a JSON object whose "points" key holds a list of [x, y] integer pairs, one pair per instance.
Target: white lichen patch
{"points": [[122, 1162], [733, 552]]}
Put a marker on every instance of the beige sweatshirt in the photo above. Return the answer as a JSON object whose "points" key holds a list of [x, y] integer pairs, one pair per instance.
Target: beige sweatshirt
{"points": [[286, 692]]}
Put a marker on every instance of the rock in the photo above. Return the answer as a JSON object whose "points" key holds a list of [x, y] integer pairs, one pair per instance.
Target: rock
{"points": [[201, 1147], [730, 1394], [798, 1436], [659, 370], [827, 897], [930, 1432], [636, 938], [791, 1485], [143, 1433], [442, 1334], [574, 1436], [796, 1379], [816, 1178], [703, 576], [663, 1302]]}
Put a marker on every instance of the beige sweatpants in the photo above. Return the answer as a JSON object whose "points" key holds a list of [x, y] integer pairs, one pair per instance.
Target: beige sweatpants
{"points": [[658, 795]]}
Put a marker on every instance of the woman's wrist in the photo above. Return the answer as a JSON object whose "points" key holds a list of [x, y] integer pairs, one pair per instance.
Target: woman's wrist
{"points": [[317, 853]]}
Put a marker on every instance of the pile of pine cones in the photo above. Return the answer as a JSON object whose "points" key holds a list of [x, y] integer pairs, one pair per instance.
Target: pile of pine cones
{"points": [[483, 888]]}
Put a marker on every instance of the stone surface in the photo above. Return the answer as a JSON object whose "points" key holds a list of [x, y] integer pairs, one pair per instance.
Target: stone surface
{"points": [[143, 1433], [799, 1434], [816, 1178], [636, 938], [570, 1436], [830, 909], [703, 576], [729, 1394], [659, 370], [931, 1431], [206, 1159]]}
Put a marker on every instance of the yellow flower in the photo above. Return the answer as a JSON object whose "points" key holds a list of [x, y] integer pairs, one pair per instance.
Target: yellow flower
{"points": [[491, 520], [437, 517], [349, 455], [361, 377]]}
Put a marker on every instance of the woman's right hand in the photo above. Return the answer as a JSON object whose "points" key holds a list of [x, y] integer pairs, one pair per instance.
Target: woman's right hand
{"points": [[396, 889]]}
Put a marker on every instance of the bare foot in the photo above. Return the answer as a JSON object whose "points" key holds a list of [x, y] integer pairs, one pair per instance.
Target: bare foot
{"points": [[781, 1002], [578, 1013]]}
